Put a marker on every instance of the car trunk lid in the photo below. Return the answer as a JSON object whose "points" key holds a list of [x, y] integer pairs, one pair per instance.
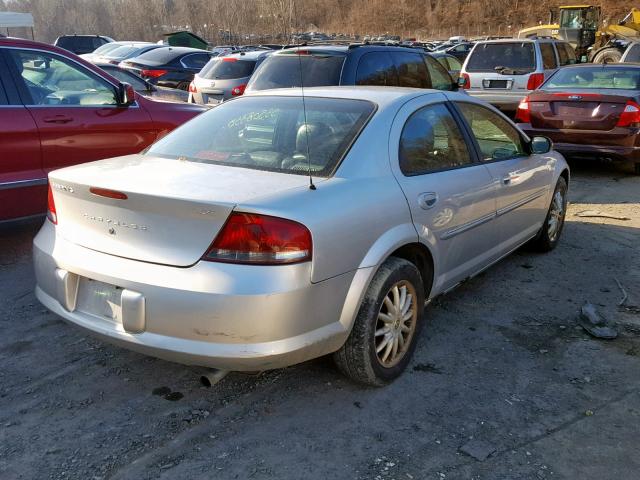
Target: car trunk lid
{"points": [[172, 211], [576, 110]]}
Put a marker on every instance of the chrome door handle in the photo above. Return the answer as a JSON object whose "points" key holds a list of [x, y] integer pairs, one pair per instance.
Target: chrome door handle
{"points": [[57, 119], [427, 200]]}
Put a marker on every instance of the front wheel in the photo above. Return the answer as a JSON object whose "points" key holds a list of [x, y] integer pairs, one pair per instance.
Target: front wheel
{"points": [[386, 328], [549, 234]]}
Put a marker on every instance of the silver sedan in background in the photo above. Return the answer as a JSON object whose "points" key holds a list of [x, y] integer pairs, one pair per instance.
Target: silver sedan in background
{"points": [[272, 230], [225, 77]]}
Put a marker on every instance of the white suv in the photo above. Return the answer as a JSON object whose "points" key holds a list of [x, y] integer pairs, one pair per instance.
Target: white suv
{"points": [[503, 72]]}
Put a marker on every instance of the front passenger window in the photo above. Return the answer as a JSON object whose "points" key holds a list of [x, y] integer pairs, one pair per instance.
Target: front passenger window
{"points": [[431, 141], [498, 140], [51, 80]]}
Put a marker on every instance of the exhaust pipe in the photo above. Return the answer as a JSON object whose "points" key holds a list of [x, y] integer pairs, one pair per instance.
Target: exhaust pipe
{"points": [[212, 376]]}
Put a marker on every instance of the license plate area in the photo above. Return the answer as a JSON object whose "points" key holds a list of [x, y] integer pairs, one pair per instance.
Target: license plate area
{"points": [[501, 84], [100, 299]]}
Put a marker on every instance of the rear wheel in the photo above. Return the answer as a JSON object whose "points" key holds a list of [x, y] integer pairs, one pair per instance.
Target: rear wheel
{"points": [[549, 234], [608, 55], [386, 328]]}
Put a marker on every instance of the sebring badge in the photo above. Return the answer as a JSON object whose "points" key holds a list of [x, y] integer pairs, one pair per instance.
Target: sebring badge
{"points": [[115, 223]]}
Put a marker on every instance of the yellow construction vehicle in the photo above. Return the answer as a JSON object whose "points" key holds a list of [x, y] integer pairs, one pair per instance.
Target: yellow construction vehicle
{"points": [[580, 26]]}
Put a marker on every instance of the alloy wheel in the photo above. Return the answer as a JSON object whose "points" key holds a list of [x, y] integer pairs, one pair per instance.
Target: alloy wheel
{"points": [[556, 216], [396, 324]]}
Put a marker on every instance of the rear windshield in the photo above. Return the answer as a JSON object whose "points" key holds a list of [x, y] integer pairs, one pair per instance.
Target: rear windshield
{"points": [[227, 68], [124, 51], [161, 55], [270, 133], [284, 71], [107, 47], [614, 78], [518, 57]]}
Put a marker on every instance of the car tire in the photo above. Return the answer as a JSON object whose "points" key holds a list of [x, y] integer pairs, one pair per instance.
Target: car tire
{"points": [[549, 235], [358, 358], [608, 55]]}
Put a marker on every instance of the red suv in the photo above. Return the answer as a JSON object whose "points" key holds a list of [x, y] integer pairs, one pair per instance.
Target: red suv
{"points": [[57, 110]]}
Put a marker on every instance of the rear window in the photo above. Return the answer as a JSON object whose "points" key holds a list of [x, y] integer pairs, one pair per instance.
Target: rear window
{"points": [[270, 133], [283, 71], [614, 78], [107, 47], [226, 68], [160, 55], [519, 57], [548, 57], [122, 51], [566, 54], [633, 53]]}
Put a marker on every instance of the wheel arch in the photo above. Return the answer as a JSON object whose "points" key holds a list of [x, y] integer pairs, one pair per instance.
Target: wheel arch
{"points": [[402, 242]]}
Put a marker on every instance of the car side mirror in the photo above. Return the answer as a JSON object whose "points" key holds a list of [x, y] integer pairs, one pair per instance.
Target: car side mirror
{"points": [[126, 94], [540, 145], [461, 81]]}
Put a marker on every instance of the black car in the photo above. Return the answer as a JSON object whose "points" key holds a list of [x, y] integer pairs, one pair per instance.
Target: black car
{"points": [[460, 50], [142, 86], [358, 64], [172, 67], [81, 44]]}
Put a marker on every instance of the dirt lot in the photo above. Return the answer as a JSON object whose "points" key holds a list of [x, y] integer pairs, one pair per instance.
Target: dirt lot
{"points": [[502, 369]]}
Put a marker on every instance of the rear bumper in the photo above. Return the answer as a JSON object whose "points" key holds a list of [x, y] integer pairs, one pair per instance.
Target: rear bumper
{"points": [[231, 317], [503, 100], [622, 146]]}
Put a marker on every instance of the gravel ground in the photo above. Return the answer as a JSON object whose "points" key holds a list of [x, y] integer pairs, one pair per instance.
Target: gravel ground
{"points": [[504, 383]]}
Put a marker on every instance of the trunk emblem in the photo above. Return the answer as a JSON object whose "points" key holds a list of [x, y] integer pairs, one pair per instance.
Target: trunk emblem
{"points": [[574, 97]]}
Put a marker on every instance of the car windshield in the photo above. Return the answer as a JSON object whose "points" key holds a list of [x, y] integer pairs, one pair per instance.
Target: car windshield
{"points": [[227, 68], [284, 71], [270, 133], [489, 57], [615, 78]]}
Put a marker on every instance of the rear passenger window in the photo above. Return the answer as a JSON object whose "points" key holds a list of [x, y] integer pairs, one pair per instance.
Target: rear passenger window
{"points": [[377, 68], [431, 141], [566, 54], [498, 140], [633, 54], [548, 56], [412, 71], [440, 78], [3, 93]]}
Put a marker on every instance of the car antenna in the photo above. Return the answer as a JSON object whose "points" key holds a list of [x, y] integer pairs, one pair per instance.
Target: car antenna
{"points": [[304, 109]]}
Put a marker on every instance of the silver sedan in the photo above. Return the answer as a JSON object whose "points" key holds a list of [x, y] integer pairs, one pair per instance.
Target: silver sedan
{"points": [[272, 230]]}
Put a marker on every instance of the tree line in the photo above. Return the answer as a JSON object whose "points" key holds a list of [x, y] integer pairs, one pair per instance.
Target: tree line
{"points": [[236, 20]]}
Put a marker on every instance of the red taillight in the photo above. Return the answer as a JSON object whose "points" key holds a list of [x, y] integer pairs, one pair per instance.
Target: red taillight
{"points": [[105, 192], [523, 114], [193, 88], [152, 73], [260, 239], [630, 115], [535, 80], [467, 81], [237, 91], [52, 215]]}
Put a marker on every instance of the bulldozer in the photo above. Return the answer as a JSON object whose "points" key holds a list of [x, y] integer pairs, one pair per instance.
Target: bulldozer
{"points": [[581, 27]]}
